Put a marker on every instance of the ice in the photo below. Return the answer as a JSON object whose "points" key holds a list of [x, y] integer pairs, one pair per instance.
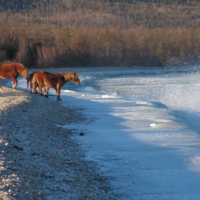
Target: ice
{"points": [[142, 128]]}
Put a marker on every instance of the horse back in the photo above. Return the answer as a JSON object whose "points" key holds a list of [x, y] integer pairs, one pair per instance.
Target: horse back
{"points": [[53, 80], [48, 79], [8, 70]]}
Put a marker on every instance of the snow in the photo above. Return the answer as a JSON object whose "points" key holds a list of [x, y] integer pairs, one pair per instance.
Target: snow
{"points": [[142, 128]]}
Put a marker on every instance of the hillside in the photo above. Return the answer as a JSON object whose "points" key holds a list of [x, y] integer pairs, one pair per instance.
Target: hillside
{"points": [[103, 13], [48, 33]]}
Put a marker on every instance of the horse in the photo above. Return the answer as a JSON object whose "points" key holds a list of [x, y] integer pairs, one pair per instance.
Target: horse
{"points": [[12, 71], [48, 80]]}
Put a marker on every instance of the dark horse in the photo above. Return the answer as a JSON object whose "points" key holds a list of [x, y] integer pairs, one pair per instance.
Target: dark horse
{"points": [[12, 71], [49, 80]]}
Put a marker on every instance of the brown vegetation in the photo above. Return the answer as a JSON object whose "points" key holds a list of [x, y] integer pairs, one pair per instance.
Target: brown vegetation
{"points": [[100, 33]]}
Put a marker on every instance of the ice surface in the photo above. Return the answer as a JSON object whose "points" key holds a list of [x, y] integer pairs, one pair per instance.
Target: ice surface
{"points": [[143, 128]]}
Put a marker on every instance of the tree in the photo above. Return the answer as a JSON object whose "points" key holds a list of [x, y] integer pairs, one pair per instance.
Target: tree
{"points": [[80, 49], [161, 51], [11, 47]]}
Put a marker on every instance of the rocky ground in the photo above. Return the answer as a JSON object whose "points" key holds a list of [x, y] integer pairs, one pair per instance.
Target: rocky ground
{"points": [[38, 158]]}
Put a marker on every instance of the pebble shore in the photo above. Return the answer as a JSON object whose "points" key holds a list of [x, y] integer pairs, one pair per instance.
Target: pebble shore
{"points": [[39, 159]]}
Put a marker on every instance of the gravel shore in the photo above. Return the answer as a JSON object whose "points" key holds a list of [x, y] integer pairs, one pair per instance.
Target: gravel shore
{"points": [[39, 159]]}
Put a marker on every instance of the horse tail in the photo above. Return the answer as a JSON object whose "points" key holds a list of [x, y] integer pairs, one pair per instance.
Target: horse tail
{"points": [[29, 79]]}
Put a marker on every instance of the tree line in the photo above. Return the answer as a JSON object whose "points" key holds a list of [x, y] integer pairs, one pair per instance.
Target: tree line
{"points": [[100, 47], [47, 33], [75, 14]]}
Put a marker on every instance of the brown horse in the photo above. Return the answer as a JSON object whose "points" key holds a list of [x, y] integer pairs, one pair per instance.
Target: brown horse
{"points": [[49, 80], [12, 71]]}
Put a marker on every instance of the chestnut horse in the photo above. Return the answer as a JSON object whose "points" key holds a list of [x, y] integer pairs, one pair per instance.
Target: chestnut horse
{"points": [[12, 71], [49, 80]]}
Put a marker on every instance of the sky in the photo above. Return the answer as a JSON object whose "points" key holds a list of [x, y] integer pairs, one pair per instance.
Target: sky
{"points": [[142, 128]]}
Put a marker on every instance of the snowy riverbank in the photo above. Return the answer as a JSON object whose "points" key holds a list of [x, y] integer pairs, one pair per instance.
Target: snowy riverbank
{"points": [[142, 128], [39, 159]]}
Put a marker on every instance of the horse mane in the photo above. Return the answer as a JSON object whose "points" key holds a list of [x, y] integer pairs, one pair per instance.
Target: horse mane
{"points": [[18, 65]]}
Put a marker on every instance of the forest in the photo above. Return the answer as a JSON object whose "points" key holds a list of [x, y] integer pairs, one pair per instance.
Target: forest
{"points": [[69, 33]]}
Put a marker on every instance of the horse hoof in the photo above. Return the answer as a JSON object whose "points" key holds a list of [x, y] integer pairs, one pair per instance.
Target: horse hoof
{"points": [[46, 96], [59, 99]]}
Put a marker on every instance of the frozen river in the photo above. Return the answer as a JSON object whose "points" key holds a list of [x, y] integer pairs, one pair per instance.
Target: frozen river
{"points": [[142, 128]]}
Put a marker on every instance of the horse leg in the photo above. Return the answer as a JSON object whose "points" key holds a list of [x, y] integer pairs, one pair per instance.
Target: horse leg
{"points": [[58, 92], [14, 83], [46, 92], [33, 88], [40, 89], [58, 98]]}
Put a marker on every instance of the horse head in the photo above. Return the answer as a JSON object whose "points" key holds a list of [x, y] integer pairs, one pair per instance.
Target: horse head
{"points": [[24, 73], [70, 76], [20, 69], [75, 78]]}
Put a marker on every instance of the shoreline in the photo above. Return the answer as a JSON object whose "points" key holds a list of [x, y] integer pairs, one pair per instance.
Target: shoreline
{"points": [[40, 159]]}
